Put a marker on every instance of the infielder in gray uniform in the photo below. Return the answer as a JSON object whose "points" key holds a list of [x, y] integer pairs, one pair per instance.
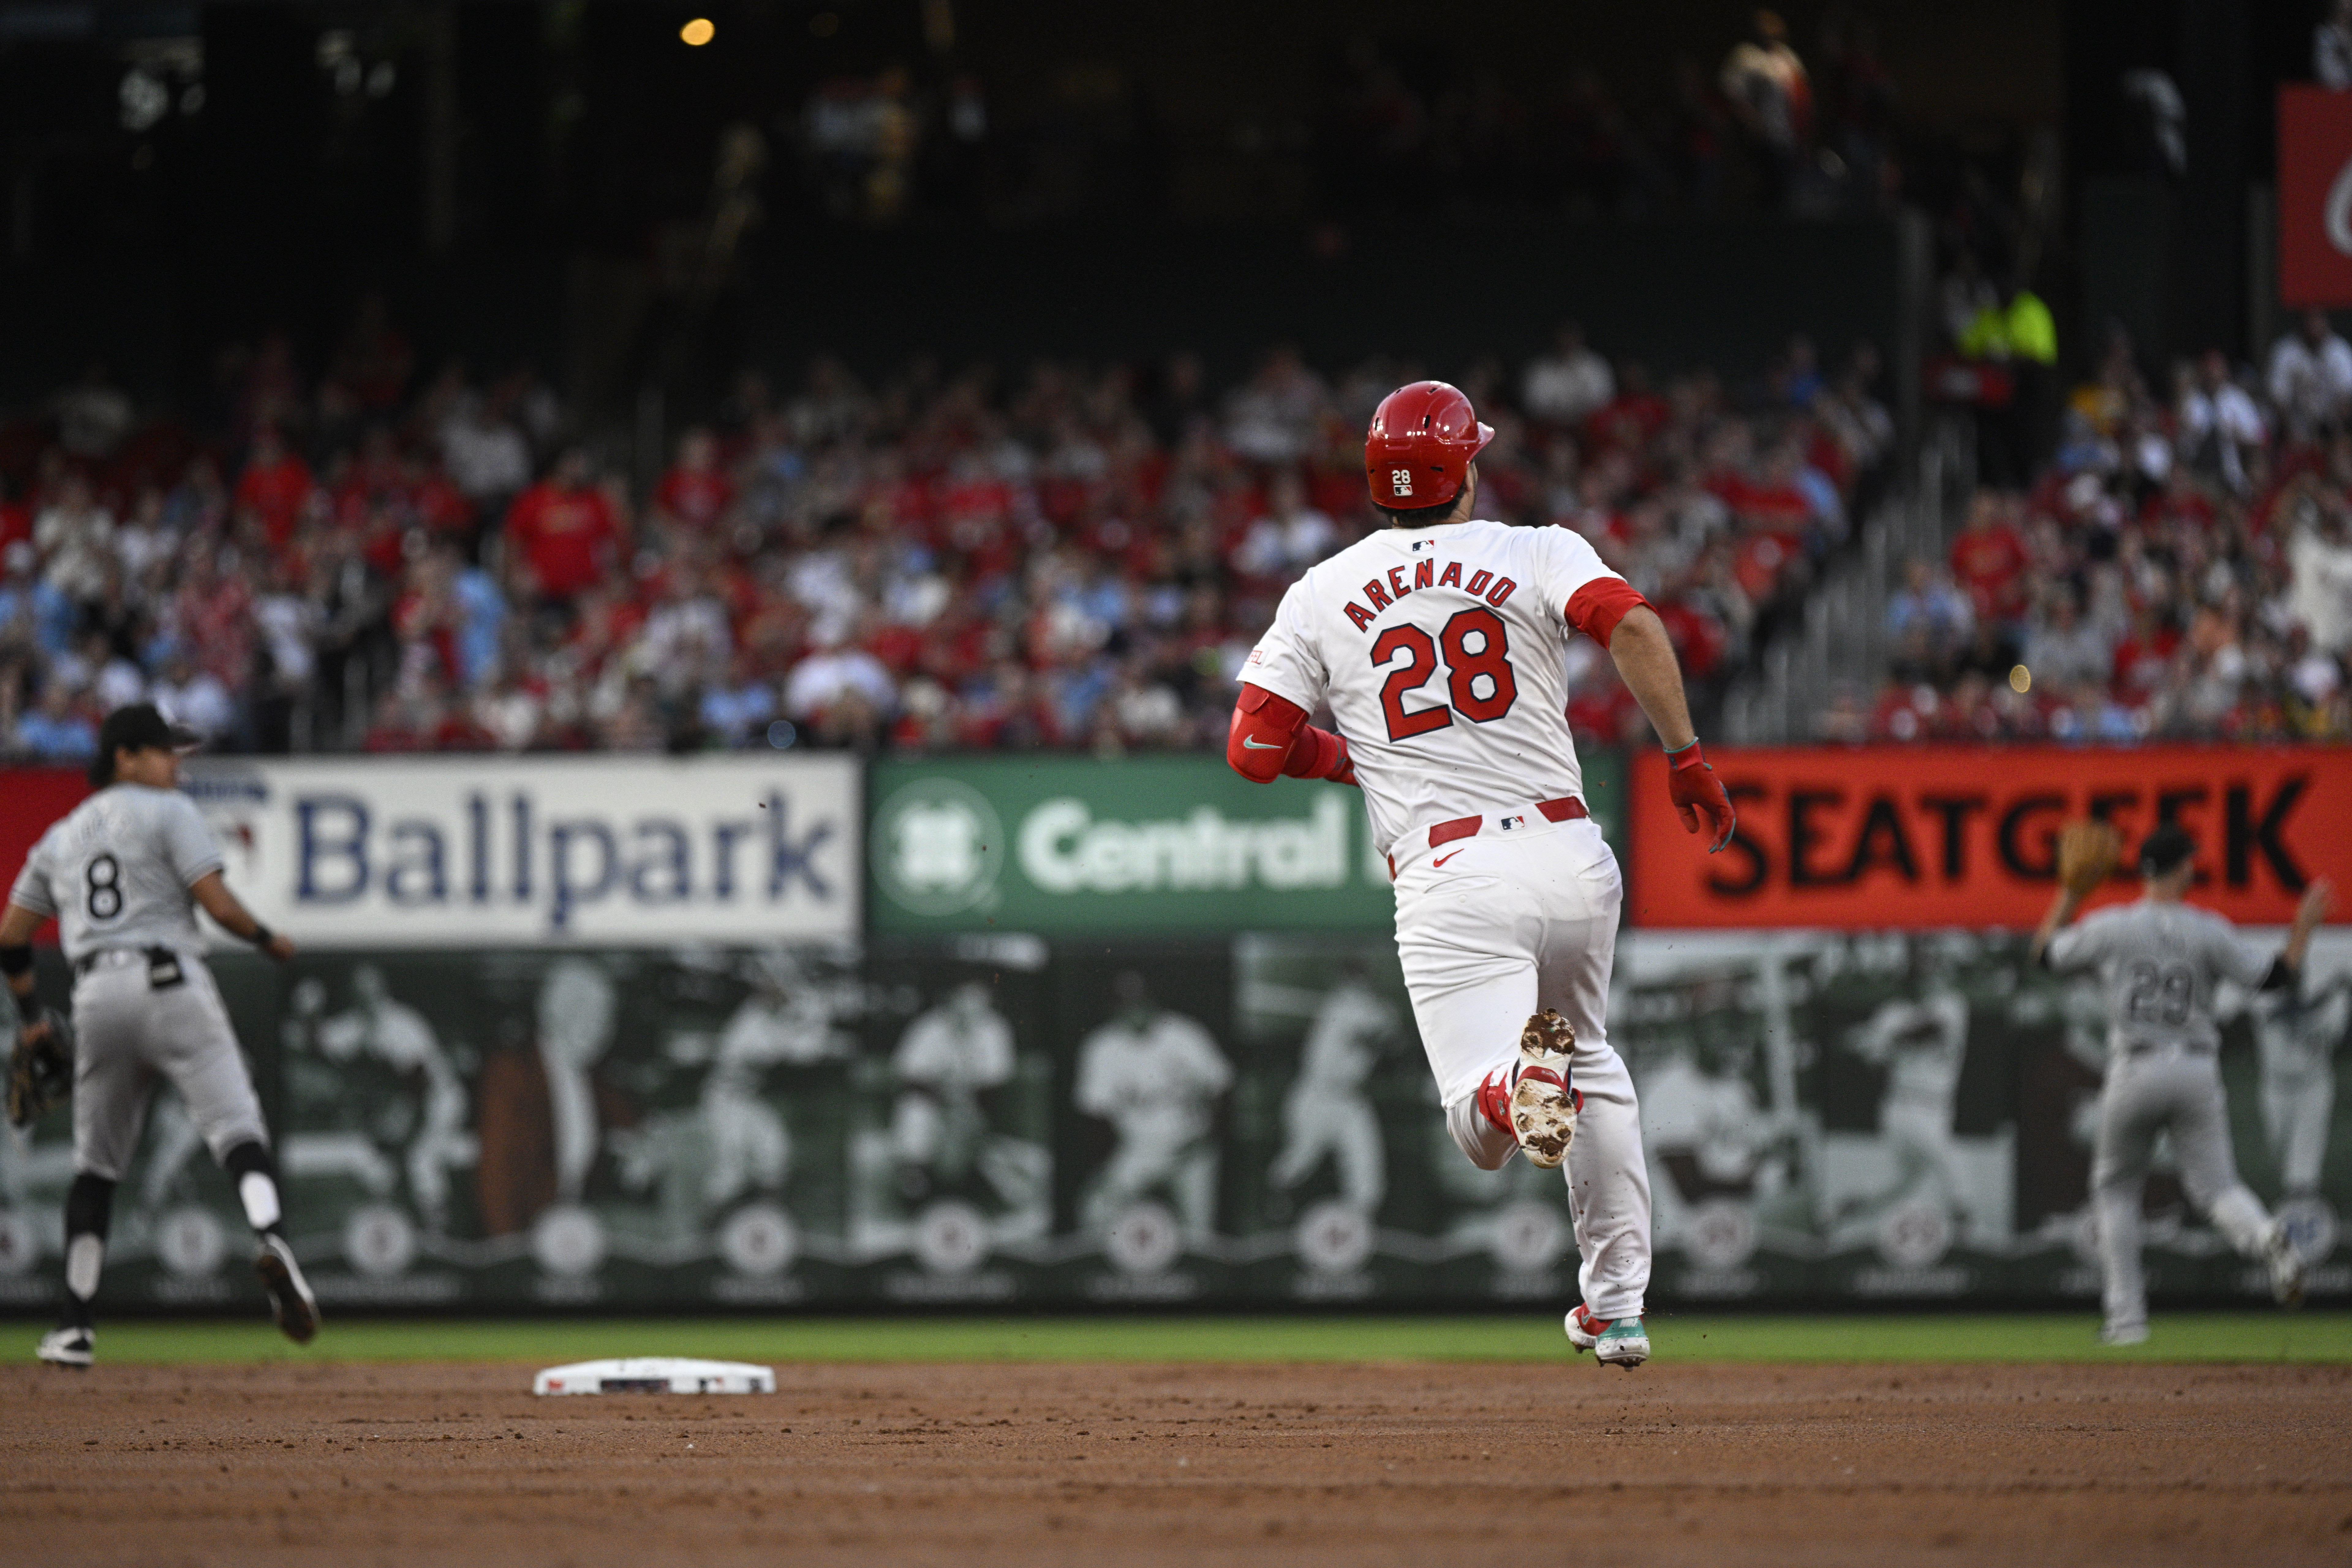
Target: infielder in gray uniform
{"points": [[2159, 961], [123, 873]]}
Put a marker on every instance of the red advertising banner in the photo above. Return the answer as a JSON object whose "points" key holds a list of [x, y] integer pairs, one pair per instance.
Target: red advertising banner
{"points": [[2315, 197], [1913, 838], [30, 800]]}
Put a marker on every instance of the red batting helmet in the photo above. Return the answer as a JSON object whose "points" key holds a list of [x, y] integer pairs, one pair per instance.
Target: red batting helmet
{"points": [[1421, 445]]}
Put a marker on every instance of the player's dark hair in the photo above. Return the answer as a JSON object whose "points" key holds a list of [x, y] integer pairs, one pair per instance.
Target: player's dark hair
{"points": [[1417, 516], [101, 767], [2165, 849]]}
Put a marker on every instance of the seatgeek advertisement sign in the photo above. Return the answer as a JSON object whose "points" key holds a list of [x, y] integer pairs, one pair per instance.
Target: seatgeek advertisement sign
{"points": [[1930, 837], [540, 852]]}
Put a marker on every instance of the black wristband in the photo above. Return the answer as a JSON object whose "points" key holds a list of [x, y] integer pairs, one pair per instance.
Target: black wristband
{"points": [[28, 1006], [262, 935]]}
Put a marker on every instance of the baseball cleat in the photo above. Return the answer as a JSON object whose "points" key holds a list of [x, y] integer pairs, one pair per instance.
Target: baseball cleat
{"points": [[2286, 1266], [2123, 1333], [1623, 1342], [290, 1300], [1543, 1104], [68, 1347]]}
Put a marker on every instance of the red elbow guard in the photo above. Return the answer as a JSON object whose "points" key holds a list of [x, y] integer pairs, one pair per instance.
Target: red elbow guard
{"points": [[1264, 729]]}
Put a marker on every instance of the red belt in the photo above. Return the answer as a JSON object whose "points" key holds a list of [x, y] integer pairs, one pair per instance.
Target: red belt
{"points": [[1567, 809]]}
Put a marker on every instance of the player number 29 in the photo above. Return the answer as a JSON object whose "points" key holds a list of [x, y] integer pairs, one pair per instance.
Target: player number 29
{"points": [[1477, 674], [104, 896], [2161, 994]]}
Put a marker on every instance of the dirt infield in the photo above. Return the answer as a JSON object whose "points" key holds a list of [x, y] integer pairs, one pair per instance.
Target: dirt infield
{"points": [[417, 1465]]}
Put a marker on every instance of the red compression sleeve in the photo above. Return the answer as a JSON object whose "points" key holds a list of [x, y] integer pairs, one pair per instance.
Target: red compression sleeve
{"points": [[1597, 607], [1264, 731], [1315, 752]]}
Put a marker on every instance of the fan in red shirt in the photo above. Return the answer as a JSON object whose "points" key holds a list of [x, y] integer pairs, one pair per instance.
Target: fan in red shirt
{"points": [[273, 486], [1630, 418], [562, 534], [1990, 558], [15, 522], [695, 494]]}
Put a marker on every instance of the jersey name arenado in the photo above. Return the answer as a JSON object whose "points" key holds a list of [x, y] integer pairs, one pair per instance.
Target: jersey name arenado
{"points": [[2159, 963], [1439, 649], [116, 870]]}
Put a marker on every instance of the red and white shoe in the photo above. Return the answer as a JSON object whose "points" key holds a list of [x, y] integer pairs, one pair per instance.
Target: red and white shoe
{"points": [[1543, 1104], [1622, 1341], [1534, 1102]]}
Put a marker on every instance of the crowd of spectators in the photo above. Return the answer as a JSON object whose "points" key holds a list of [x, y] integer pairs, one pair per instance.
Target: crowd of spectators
{"points": [[2180, 569], [1075, 557]]}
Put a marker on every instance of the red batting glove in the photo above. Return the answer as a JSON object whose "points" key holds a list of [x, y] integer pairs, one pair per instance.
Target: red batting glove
{"points": [[1697, 792]]}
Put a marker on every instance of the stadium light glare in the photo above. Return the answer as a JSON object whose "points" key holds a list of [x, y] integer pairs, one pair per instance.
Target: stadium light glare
{"points": [[699, 32]]}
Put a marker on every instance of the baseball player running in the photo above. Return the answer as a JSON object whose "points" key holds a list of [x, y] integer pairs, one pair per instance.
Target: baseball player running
{"points": [[2159, 961], [1437, 641], [123, 874]]}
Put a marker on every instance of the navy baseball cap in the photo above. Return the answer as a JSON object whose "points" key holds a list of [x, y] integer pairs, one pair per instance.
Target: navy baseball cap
{"points": [[135, 726]]}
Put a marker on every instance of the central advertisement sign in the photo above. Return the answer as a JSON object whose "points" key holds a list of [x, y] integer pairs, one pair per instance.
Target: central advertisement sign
{"points": [[539, 853], [1060, 845]]}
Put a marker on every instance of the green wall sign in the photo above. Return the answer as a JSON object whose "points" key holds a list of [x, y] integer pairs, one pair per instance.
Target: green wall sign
{"points": [[1058, 845]]}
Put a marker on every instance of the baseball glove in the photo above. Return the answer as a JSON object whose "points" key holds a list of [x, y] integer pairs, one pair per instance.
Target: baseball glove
{"points": [[2087, 852], [40, 1071]]}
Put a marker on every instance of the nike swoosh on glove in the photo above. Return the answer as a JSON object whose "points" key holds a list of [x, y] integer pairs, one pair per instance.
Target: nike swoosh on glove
{"points": [[1697, 792]]}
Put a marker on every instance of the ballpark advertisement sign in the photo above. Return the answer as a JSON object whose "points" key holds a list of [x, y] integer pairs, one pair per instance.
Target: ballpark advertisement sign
{"points": [[1915, 838], [1160, 844], [540, 852]]}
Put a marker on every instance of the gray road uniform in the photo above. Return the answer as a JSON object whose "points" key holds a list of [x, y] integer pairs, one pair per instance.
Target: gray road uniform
{"points": [[116, 872], [2158, 964]]}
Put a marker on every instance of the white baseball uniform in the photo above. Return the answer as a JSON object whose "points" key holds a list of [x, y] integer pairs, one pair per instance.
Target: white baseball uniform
{"points": [[1439, 649]]}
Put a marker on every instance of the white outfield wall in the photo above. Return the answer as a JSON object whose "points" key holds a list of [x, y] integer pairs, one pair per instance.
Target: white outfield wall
{"points": [[507, 851]]}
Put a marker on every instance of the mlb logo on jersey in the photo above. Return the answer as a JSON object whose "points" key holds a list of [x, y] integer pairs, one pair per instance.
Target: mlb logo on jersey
{"points": [[1507, 824]]}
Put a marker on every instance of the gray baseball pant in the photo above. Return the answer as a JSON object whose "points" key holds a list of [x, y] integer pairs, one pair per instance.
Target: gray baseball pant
{"points": [[2181, 1091], [127, 1036]]}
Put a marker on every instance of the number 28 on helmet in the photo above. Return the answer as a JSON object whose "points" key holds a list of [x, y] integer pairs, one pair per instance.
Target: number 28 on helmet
{"points": [[1419, 450]]}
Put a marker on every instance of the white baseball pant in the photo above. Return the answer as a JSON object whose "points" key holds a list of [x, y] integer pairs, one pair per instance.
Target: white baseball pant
{"points": [[1492, 929]]}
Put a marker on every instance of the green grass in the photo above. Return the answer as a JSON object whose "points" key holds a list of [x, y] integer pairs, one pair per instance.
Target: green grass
{"points": [[2250, 1336]]}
